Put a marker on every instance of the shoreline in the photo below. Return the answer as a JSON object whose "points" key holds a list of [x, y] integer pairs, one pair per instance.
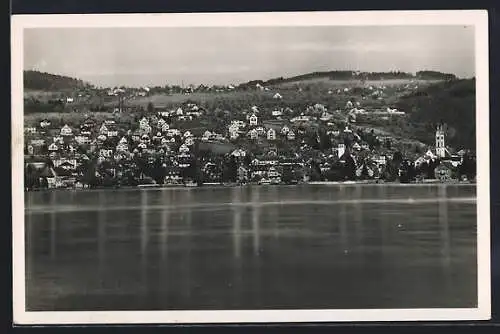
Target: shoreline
{"points": [[235, 185]]}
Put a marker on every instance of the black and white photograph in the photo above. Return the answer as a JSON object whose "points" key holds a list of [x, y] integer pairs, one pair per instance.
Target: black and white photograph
{"points": [[250, 167]]}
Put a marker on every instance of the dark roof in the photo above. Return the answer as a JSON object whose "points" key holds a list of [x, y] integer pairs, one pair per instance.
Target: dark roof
{"points": [[62, 172]]}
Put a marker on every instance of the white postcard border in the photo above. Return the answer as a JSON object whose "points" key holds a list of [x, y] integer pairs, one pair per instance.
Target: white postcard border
{"points": [[477, 18]]}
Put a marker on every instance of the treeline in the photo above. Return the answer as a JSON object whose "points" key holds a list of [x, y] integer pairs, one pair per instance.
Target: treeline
{"points": [[347, 75], [434, 75], [48, 82], [452, 103]]}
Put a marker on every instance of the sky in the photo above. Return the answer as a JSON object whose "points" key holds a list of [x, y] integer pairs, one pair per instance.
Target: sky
{"points": [[223, 55]]}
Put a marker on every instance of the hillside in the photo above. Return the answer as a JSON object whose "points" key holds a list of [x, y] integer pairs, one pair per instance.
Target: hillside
{"points": [[351, 75], [452, 103], [35, 80]]}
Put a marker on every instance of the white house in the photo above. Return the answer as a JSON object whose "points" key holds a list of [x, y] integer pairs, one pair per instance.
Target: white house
{"points": [[30, 130], [277, 113], [284, 130], [143, 123], [44, 123], [290, 135], [188, 134], [183, 148], [82, 140], [277, 96], [66, 130], [238, 153], [254, 134], [340, 150], [69, 100], [189, 141], [271, 134], [253, 119], [164, 127], [53, 147], [103, 129], [58, 139]]}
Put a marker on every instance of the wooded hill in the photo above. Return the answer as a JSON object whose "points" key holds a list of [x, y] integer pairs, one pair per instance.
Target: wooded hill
{"points": [[36, 80]]}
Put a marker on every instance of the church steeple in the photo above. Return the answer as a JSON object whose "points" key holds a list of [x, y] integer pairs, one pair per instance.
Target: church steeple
{"points": [[440, 145]]}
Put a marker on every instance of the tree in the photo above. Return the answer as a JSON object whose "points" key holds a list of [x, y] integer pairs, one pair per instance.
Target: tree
{"points": [[150, 108], [349, 167]]}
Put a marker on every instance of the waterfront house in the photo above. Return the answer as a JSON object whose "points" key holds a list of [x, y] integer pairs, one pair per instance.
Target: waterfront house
{"points": [[445, 171]]}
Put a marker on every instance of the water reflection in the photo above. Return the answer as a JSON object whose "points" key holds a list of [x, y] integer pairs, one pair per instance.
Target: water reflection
{"points": [[237, 208], [53, 226], [259, 253], [256, 208], [444, 227], [343, 219], [101, 230], [165, 219]]}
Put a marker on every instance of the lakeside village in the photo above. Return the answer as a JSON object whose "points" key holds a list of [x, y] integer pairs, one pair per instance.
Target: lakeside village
{"points": [[278, 146]]}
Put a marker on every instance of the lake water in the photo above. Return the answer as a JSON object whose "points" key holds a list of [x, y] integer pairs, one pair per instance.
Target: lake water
{"points": [[258, 247]]}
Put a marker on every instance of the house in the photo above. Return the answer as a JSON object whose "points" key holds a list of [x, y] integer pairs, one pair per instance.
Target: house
{"points": [[277, 113], [253, 120], [183, 148], [143, 123], [188, 134], [445, 171], [284, 130], [164, 127], [82, 140], [271, 134], [69, 100], [253, 134], [53, 147], [239, 153], [66, 130], [233, 135], [277, 96], [106, 153], [103, 129], [122, 145], [189, 141], [37, 142], [45, 123], [301, 118], [242, 174], [67, 164], [30, 130], [290, 135]]}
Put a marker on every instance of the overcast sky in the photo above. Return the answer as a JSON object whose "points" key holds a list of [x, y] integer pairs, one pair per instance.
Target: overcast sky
{"points": [[159, 56]]}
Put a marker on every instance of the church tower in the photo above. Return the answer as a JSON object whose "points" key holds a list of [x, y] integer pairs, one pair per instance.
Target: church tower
{"points": [[440, 146]]}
